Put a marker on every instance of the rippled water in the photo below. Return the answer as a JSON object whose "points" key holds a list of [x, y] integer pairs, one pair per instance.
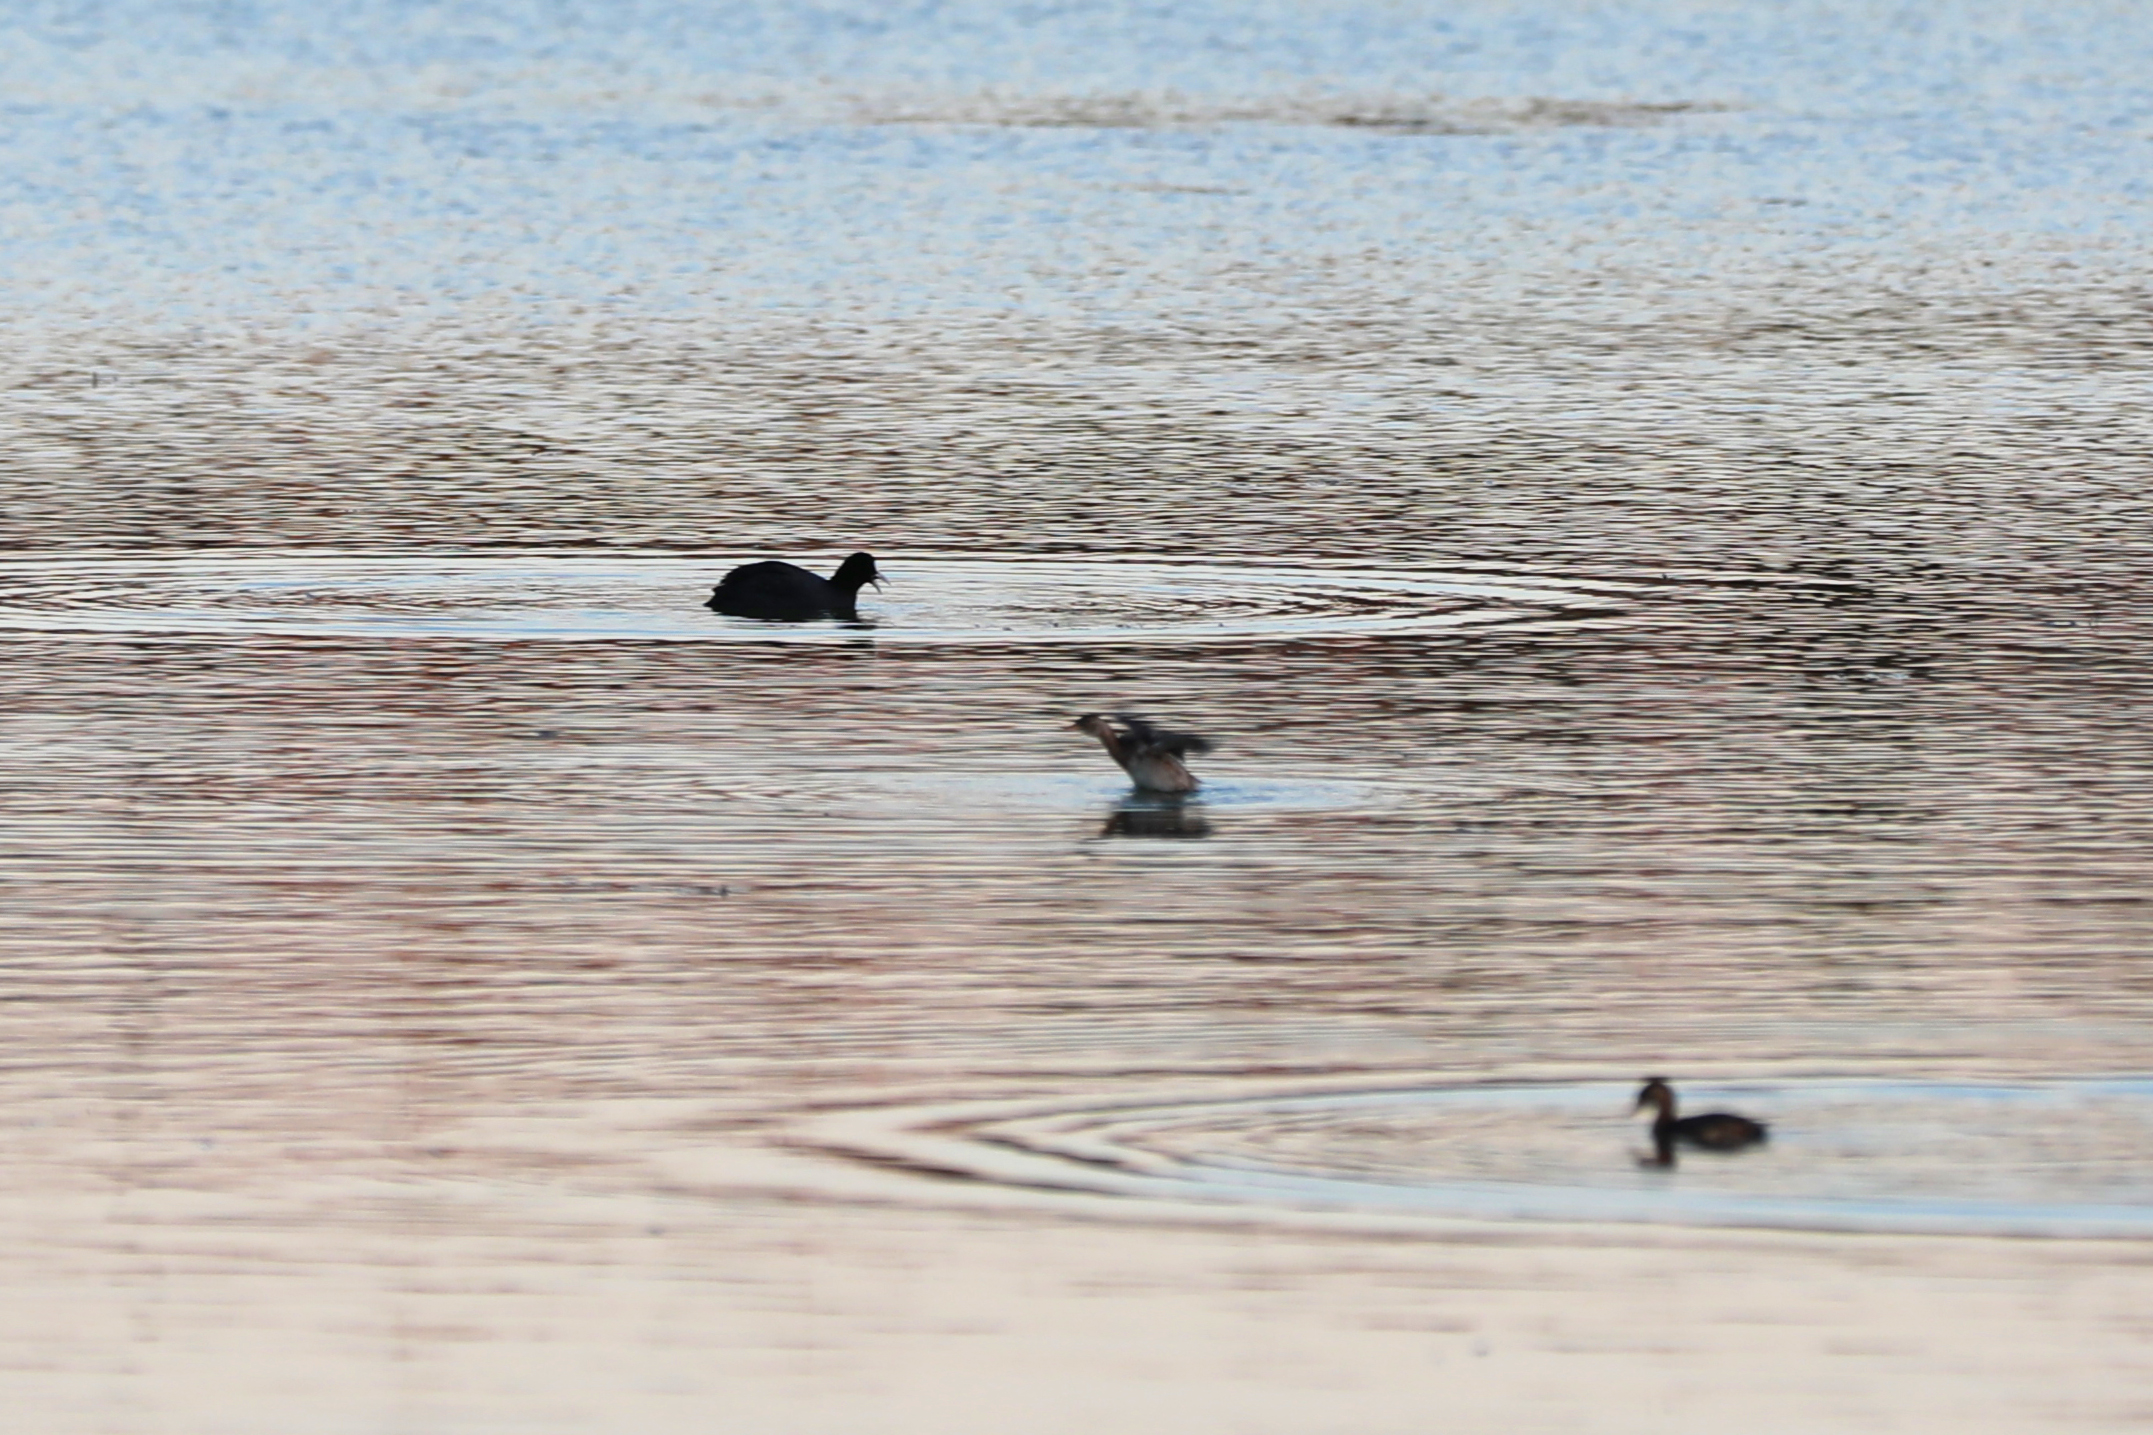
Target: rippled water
{"points": [[1878, 1156], [556, 598], [1649, 501]]}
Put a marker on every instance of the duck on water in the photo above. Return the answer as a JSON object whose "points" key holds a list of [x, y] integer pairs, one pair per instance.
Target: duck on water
{"points": [[1713, 1131], [787, 593], [1150, 755]]}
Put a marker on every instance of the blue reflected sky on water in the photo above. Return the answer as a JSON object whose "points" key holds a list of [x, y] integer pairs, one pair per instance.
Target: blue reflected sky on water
{"points": [[1082, 164]]}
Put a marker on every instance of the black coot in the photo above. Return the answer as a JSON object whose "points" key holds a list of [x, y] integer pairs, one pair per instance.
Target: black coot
{"points": [[786, 593]]}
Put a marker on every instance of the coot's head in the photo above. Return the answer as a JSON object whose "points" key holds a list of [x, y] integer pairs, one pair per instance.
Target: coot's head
{"points": [[1656, 1094], [855, 573]]}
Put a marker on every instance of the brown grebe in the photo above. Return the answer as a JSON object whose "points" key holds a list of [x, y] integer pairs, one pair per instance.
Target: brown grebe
{"points": [[786, 593], [1150, 755], [1714, 1131]]}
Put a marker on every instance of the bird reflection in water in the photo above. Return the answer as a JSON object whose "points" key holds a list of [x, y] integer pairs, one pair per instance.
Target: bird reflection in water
{"points": [[1713, 1131], [1162, 816]]}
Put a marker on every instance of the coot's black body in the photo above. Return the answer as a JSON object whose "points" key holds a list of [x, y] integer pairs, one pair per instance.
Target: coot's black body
{"points": [[1713, 1131], [786, 593]]}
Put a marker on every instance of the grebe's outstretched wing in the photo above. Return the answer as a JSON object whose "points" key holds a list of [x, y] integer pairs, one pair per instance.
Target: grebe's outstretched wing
{"points": [[1158, 739]]}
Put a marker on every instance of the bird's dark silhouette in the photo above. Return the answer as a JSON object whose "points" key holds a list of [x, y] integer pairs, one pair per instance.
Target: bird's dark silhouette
{"points": [[1713, 1131], [787, 593]]}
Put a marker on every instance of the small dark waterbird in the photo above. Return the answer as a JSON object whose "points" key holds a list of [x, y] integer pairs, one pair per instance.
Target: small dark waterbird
{"points": [[1150, 755], [787, 593], [1713, 1131]]}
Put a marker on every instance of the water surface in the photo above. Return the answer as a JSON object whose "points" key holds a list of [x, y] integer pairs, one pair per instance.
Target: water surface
{"points": [[1649, 501]]}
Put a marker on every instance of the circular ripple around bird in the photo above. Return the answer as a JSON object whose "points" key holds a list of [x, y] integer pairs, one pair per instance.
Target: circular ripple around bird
{"points": [[2055, 1158], [658, 598]]}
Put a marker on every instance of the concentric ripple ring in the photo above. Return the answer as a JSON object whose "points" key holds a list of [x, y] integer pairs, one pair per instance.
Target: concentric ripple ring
{"points": [[2062, 1158], [580, 597]]}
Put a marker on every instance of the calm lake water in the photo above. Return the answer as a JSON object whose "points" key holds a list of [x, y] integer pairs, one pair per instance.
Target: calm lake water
{"points": [[1649, 500]]}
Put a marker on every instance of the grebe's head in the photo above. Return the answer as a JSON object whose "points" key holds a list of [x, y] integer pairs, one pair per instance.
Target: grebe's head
{"points": [[855, 573], [1656, 1095], [1094, 724]]}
